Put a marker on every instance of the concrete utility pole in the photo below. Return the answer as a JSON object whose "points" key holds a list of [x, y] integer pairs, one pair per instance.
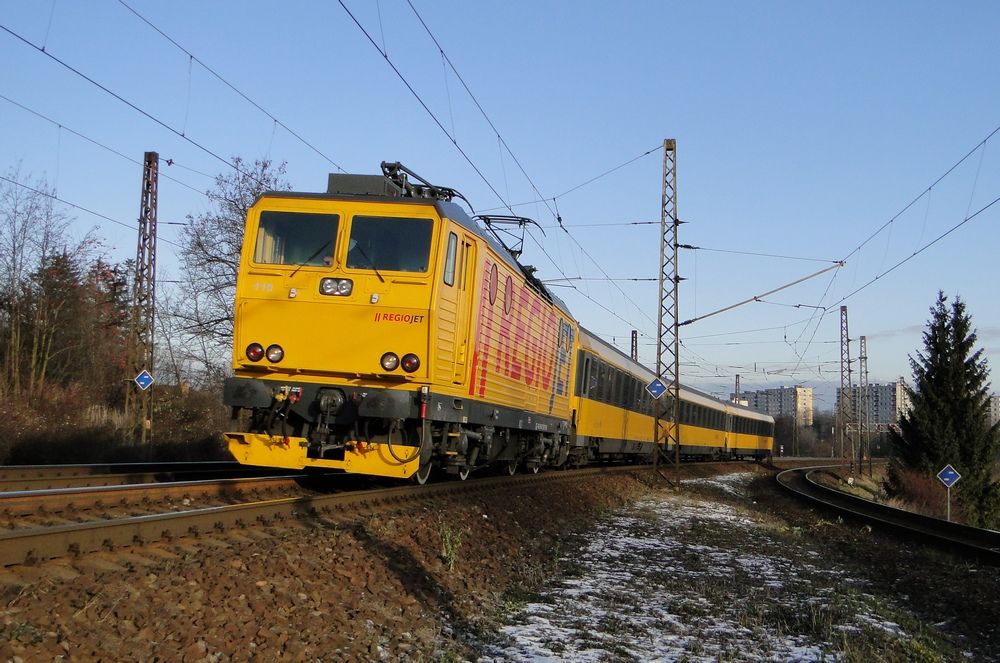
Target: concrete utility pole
{"points": [[668, 320], [138, 393]]}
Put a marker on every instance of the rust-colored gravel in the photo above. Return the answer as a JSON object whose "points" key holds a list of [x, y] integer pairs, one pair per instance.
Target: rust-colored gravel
{"points": [[420, 581], [397, 583]]}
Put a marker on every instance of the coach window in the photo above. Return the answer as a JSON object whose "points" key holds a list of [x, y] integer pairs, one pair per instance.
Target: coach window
{"points": [[392, 244], [449, 259], [294, 238]]}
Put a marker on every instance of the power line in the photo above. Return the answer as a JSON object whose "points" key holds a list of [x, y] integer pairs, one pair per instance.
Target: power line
{"points": [[752, 253], [478, 105], [923, 193], [591, 180], [918, 251], [169, 162], [129, 103], [420, 100], [399, 74], [231, 86], [607, 225], [80, 207]]}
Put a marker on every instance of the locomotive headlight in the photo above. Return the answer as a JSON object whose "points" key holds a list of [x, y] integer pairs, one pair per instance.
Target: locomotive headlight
{"points": [[255, 352], [275, 353], [389, 361], [411, 362], [336, 287]]}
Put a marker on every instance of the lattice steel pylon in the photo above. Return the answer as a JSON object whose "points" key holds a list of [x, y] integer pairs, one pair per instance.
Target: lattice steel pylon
{"points": [[865, 411], [668, 318], [845, 411], [138, 401]]}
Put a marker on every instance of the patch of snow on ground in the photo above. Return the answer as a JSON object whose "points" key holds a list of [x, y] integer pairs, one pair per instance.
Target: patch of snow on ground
{"points": [[734, 484], [665, 580]]}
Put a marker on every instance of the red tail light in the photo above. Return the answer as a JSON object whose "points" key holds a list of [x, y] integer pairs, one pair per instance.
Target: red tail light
{"points": [[411, 362], [255, 352]]}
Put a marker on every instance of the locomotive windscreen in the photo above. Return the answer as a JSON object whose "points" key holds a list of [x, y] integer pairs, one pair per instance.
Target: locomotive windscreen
{"points": [[294, 238], [390, 243]]}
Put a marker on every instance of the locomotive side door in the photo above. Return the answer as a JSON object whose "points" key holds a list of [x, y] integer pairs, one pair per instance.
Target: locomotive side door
{"points": [[465, 290]]}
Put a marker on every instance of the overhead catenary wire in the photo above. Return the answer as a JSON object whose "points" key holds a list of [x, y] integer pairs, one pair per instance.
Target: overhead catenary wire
{"points": [[454, 141], [63, 127], [478, 105], [82, 208], [232, 87], [589, 181], [128, 103], [918, 251], [517, 161], [424, 105]]}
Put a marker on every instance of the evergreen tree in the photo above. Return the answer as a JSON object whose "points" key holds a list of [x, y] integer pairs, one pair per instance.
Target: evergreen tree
{"points": [[949, 417]]}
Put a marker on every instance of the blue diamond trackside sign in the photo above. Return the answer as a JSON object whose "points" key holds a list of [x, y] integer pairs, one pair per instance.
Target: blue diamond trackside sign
{"points": [[656, 388], [949, 476], [144, 380]]}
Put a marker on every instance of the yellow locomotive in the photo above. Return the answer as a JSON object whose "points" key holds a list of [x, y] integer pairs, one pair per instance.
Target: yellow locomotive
{"points": [[379, 330]]}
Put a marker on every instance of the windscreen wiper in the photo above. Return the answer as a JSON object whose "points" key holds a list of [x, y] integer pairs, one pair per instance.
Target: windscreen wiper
{"points": [[371, 263], [309, 259]]}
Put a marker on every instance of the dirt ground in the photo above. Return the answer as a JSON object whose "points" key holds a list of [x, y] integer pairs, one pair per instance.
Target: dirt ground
{"points": [[424, 581]]}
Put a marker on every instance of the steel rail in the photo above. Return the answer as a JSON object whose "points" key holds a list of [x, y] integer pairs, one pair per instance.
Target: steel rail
{"points": [[42, 543], [980, 543], [8, 472], [40, 477], [55, 500]]}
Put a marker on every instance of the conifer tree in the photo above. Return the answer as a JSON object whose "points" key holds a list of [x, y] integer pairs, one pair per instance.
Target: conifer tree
{"points": [[949, 417]]}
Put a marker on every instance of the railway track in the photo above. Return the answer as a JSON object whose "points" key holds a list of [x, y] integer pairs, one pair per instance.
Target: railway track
{"points": [[981, 544], [25, 509], [40, 477], [28, 545]]}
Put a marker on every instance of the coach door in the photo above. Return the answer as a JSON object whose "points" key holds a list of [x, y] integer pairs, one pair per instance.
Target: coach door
{"points": [[465, 277]]}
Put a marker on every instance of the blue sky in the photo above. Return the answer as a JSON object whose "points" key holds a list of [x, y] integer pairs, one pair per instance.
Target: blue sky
{"points": [[802, 128]]}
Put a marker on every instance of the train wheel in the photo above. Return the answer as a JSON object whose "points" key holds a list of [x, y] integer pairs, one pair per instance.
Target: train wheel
{"points": [[423, 473]]}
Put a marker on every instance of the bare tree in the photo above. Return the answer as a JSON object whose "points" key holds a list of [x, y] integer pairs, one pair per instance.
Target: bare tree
{"points": [[210, 262], [34, 246]]}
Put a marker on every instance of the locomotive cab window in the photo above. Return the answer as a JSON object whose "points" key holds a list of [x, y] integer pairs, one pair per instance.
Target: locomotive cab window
{"points": [[391, 244], [295, 238], [449, 259]]}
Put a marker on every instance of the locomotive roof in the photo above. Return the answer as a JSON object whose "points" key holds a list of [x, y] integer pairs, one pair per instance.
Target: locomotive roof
{"points": [[445, 208]]}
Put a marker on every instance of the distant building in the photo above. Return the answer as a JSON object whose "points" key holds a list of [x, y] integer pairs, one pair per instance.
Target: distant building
{"points": [[994, 409], [784, 401], [886, 402]]}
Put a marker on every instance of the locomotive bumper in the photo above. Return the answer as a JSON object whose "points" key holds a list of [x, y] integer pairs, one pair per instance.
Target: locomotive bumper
{"points": [[290, 453], [305, 400]]}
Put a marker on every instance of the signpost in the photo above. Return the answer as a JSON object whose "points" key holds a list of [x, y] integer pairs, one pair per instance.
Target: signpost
{"points": [[949, 476]]}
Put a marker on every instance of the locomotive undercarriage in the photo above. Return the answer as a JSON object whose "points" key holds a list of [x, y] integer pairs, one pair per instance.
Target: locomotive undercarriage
{"points": [[453, 435]]}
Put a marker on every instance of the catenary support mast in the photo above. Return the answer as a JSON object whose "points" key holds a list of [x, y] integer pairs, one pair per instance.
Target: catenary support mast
{"points": [[845, 409], [138, 401], [668, 339]]}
